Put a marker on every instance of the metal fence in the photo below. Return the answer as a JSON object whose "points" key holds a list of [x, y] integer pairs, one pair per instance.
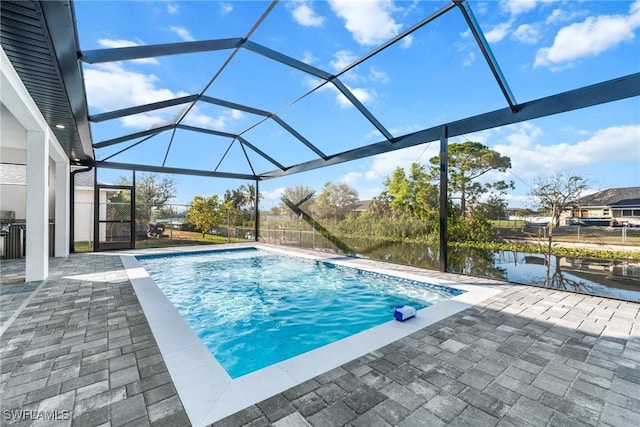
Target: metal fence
{"points": [[321, 236], [588, 234], [161, 226], [175, 229], [329, 239]]}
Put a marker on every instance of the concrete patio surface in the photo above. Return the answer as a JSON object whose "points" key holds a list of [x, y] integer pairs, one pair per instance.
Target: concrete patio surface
{"points": [[77, 348]]}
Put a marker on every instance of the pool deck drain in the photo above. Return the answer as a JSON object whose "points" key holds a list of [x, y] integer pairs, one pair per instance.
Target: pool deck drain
{"points": [[527, 356]]}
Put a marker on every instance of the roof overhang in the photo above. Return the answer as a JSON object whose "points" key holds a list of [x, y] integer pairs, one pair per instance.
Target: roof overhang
{"points": [[40, 40]]}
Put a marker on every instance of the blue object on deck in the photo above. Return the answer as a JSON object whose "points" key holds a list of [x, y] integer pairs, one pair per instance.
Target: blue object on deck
{"points": [[404, 312]]}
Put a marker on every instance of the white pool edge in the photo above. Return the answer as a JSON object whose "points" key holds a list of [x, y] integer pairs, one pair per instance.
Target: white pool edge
{"points": [[208, 393]]}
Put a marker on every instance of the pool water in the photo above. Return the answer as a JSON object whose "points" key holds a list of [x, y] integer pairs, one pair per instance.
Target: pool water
{"points": [[253, 308]]}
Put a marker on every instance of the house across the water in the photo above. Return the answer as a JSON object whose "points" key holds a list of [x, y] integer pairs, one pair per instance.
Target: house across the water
{"points": [[611, 207]]}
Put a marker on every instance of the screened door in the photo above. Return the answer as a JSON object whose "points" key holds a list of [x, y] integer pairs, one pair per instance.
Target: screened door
{"points": [[115, 217]]}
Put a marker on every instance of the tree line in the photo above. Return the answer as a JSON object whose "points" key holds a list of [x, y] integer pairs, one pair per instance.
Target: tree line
{"points": [[408, 207]]}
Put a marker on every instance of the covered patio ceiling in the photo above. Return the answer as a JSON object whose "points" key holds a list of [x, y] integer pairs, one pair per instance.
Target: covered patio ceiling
{"points": [[42, 42]]}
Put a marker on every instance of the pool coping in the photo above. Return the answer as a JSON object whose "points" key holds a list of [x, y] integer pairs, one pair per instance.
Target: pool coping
{"points": [[209, 394]]}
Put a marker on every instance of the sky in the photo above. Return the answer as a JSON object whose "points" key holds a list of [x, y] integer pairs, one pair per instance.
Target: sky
{"points": [[435, 75]]}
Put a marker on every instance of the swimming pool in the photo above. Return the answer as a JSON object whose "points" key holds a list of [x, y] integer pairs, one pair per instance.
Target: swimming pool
{"points": [[206, 390], [254, 308]]}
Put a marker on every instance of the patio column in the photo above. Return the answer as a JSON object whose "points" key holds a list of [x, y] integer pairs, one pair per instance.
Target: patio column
{"points": [[62, 209], [37, 217]]}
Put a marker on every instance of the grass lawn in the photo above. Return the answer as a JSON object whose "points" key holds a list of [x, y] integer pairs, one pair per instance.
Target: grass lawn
{"points": [[171, 238], [592, 235]]}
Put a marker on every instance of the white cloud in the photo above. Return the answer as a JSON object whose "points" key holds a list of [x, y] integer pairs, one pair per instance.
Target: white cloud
{"points": [[378, 75], [559, 15], [525, 134], [527, 33], [517, 7], [271, 198], [172, 8], [351, 178], [383, 165], [182, 32], [406, 42], [111, 87], [237, 114], [304, 15], [221, 122], [226, 8], [480, 8], [465, 51], [308, 57], [470, 58], [342, 59], [117, 43], [313, 82], [616, 144], [482, 136], [369, 22], [364, 95], [195, 118], [498, 32], [366, 189], [590, 37], [143, 121]]}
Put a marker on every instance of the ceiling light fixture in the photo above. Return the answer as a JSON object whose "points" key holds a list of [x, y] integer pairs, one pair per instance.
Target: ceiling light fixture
{"points": [[60, 126]]}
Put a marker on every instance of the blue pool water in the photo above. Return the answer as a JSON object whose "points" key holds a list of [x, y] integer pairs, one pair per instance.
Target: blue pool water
{"points": [[253, 308]]}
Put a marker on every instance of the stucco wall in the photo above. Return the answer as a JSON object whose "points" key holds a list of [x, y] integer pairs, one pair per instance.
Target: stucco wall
{"points": [[83, 220], [14, 198]]}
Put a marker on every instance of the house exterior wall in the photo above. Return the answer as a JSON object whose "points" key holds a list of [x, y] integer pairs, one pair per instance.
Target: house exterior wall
{"points": [[13, 191], [618, 206], [84, 209], [14, 194], [627, 212], [14, 198], [593, 212], [83, 215]]}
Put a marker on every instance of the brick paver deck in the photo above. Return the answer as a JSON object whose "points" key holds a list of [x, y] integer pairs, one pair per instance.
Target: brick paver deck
{"points": [[81, 349]]}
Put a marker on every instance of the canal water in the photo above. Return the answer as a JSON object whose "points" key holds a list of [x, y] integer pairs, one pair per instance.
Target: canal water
{"points": [[614, 279], [611, 278]]}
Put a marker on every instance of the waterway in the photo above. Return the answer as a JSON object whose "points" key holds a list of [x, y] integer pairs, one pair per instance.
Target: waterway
{"points": [[611, 278]]}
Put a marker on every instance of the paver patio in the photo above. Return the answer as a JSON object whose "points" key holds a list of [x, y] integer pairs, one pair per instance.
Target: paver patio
{"points": [[78, 348]]}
